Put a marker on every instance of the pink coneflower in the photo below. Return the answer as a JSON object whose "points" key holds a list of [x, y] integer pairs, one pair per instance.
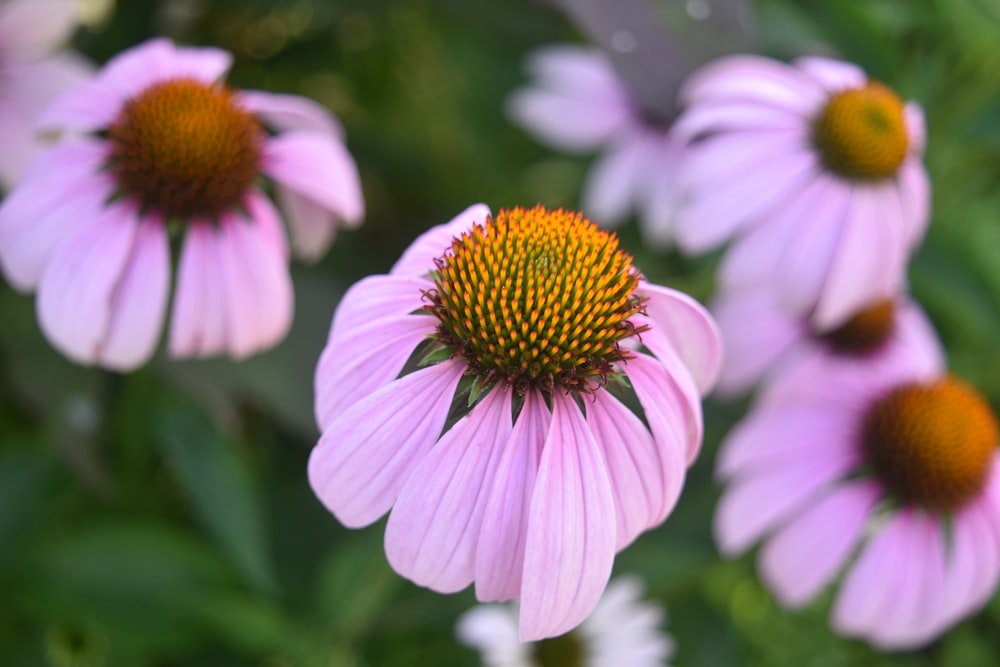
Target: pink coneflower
{"points": [[579, 104], [32, 74], [761, 339], [621, 631], [815, 168], [492, 391], [168, 151], [897, 461]]}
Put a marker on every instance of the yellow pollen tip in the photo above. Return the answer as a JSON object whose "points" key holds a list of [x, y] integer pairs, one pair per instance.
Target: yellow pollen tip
{"points": [[861, 133], [932, 444], [185, 148], [866, 331], [552, 295]]}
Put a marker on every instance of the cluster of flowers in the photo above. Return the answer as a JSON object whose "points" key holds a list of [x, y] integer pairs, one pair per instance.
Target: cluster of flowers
{"points": [[514, 393]]}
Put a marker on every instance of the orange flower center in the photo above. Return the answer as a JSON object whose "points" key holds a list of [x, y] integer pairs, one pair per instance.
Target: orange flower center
{"points": [[184, 148], [932, 444], [861, 133], [536, 298], [866, 331]]}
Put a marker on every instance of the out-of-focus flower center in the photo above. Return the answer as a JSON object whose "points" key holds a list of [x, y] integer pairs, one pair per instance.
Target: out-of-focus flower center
{"points": [[861, 133], [866, 331], [932, 444], [184, 148], [563, 651], [536, 298]]}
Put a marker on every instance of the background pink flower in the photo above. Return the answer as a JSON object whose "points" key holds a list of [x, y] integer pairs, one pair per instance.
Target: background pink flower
{"points": [[159, 144], [532, 492], [32, 74], [814, 170], [579, 104]]}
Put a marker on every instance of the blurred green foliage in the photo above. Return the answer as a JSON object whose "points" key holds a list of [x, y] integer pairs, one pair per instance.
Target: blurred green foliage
{"points": [[164, 518]]}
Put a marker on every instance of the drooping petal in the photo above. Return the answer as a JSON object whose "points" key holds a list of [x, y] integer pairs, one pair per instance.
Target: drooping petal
{"points": [[662, 197], [312, 227], [833, 75], [365, 359], [646, 480], [915, 195], [754, 79], [730, 116], [418, 259], [75, 294], [571, 529], [434, 526], [973, 566], [199, 324], [616, 179], [367, 453], [691, 330], [500, 552], [139, 300], [290, 112], [319, 167], [916, 128], [761, 501], [807, 553]]}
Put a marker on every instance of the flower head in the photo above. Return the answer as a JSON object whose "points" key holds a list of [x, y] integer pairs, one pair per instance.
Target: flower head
{"points": [[33, 72], [521, 399], [814, 169], [896, 460], [622, 630], [167, 151], [578, 103]]}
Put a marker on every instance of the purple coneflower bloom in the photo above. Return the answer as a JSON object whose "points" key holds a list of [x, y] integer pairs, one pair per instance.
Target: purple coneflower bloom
{"points": [[815, 169], [32, 73], [521, 399], [159, 147], [897, 461], [579, 104], [622, 630]]}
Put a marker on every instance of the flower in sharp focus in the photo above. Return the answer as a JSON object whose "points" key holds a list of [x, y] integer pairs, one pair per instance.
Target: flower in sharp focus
{"points": [[761, 339], [815, 169], [32, 73], [161, 148], [622, 630], [579, 104], [583, 381], [896, 462]]}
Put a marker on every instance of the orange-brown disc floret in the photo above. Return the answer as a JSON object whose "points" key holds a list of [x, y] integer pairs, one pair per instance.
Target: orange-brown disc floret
{"points": [[932, 444], [861, 133], [536, 298], [865, 332], [184, 148]]}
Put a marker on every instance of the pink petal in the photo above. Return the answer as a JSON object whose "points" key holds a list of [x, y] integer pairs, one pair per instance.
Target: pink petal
{"points": [[290, 112], [500, 552], [916, 127], [570, 69], [737, 115], [662, 196], [258, 287], [418, 259], [319, 167], [75, 295], [714, 162], [756, 79], [571, 529], [198, 325], [833, 75], [808, 552], [367, 453], [139, 301], [691, 330], [758, 503], [616, 179], [915, 195], [435, 524], [376, 297], [974, 564], [268, 221], [769, 437], [364, 359], [312, 227], [646, 480], [90, 106], [673, 413], [204, 63], [756, 334], [32, 28], [156, 60]]}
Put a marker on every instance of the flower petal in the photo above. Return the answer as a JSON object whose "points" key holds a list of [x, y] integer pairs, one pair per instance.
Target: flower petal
{"points": [[199, 324], [418, 259], [915, 195], [754, 79], [500, 553], [974, 564], [833, 75], [373, 298], [434, 526], [366, 454], [617, 179], [672, 410], [32, 28], [290, 112], [312, 227], [571, 529], [808, 552]]}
